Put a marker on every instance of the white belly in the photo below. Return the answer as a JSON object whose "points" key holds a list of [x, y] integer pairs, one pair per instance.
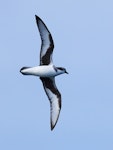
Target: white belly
{"points": [[42, 71]]}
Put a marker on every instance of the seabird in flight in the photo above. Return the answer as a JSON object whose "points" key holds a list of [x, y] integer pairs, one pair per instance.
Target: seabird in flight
{"points": [[47, 71]]}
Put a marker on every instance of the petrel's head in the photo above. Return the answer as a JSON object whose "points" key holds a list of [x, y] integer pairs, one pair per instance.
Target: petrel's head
{"points": [[63, 70]]}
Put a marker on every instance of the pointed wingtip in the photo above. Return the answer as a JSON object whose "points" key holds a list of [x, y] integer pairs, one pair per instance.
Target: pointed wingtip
{"points": [[55, 112], [52, 126], [36, 17]]}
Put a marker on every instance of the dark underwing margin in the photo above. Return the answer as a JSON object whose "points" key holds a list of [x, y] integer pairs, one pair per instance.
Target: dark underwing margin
{"points": [[46, 59], [47, 45], [49, 83]]}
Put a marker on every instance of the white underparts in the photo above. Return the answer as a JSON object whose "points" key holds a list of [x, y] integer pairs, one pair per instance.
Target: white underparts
{"points": [[41, 71]]}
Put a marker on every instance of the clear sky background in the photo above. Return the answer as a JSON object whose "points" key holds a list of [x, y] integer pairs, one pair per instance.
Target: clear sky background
{"points": [[83, 35]]}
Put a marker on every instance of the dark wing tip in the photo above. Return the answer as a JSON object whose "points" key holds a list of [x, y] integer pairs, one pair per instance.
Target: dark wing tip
{"points": [[52, 126], [36, 17]]}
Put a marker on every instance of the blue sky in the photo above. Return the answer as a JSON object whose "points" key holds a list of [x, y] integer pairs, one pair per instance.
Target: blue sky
{"points": [[83, 37]]}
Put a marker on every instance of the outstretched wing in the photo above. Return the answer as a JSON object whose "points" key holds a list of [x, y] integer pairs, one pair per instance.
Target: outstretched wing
{"points": [[47, 43], [54, 97]]}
